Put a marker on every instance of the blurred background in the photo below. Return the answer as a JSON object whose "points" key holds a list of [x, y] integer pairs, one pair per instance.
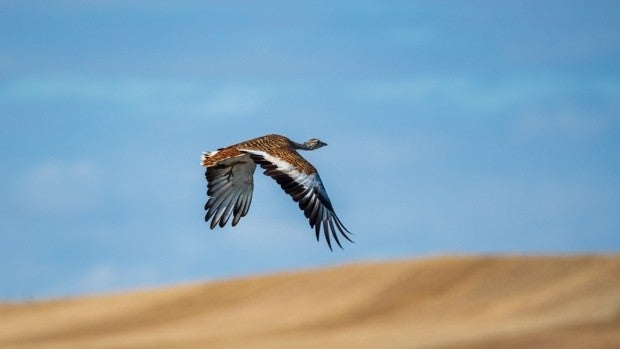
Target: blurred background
{"points": [[453, 127]]}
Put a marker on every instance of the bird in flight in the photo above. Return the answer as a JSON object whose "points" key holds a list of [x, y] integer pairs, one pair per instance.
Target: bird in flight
{"points": [[230, 183]]}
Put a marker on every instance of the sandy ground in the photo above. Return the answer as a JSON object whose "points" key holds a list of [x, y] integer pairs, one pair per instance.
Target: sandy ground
{"points": [[447, 302]]}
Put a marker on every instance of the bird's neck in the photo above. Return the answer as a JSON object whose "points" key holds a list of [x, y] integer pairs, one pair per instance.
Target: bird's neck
{"points": [[302, 146]]}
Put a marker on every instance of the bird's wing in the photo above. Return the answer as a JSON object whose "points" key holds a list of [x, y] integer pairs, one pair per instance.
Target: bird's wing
{"points": [[229, 187], [307, 190]]}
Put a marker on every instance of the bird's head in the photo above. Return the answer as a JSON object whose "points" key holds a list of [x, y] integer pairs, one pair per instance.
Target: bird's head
{"points": [[314, 143]]}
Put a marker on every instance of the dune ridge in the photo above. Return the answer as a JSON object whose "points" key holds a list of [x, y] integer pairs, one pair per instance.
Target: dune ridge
{"points": [[440, 302]]}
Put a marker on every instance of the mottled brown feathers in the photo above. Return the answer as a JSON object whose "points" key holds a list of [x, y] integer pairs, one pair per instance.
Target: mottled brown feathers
{"points": [[275, 145]]}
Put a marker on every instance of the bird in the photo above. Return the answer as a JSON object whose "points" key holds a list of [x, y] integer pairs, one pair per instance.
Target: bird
{"points": [[229, 174]]}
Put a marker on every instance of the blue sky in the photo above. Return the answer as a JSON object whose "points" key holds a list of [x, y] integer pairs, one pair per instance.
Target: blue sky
{"points": [[453, 127]]}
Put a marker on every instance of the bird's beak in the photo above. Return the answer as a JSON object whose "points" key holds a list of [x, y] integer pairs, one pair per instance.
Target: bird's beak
{"points": [[323, 143]]}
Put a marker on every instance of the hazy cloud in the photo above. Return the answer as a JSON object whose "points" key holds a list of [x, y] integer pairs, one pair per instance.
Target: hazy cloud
{"points": [[56, 187], [151, 95], [479, 94], [564, 121], [106, 277]]}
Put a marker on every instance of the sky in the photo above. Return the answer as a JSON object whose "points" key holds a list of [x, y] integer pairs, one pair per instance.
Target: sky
{"points": [[453, 127]]}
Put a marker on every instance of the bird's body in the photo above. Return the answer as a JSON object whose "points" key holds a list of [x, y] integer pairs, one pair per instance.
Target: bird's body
{"points": [[230, 181]]}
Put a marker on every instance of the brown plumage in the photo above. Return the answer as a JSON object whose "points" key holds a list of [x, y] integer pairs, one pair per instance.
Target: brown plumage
{"points": [[230, 182]]}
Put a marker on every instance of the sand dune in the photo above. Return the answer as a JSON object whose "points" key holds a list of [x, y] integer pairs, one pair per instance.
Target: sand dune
{"points": [[449, 302]]}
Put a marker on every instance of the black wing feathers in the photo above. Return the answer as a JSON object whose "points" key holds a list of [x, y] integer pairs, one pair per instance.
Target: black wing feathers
{"points": [[309, 192], [229, 187]]}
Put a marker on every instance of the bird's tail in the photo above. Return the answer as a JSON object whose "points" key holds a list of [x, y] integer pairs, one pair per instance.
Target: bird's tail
{"points": [[212, 158], [204, 158]]}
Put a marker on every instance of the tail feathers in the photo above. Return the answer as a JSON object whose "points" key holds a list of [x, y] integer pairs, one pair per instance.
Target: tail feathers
{"points": [[204, 157], [213, 158]]}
